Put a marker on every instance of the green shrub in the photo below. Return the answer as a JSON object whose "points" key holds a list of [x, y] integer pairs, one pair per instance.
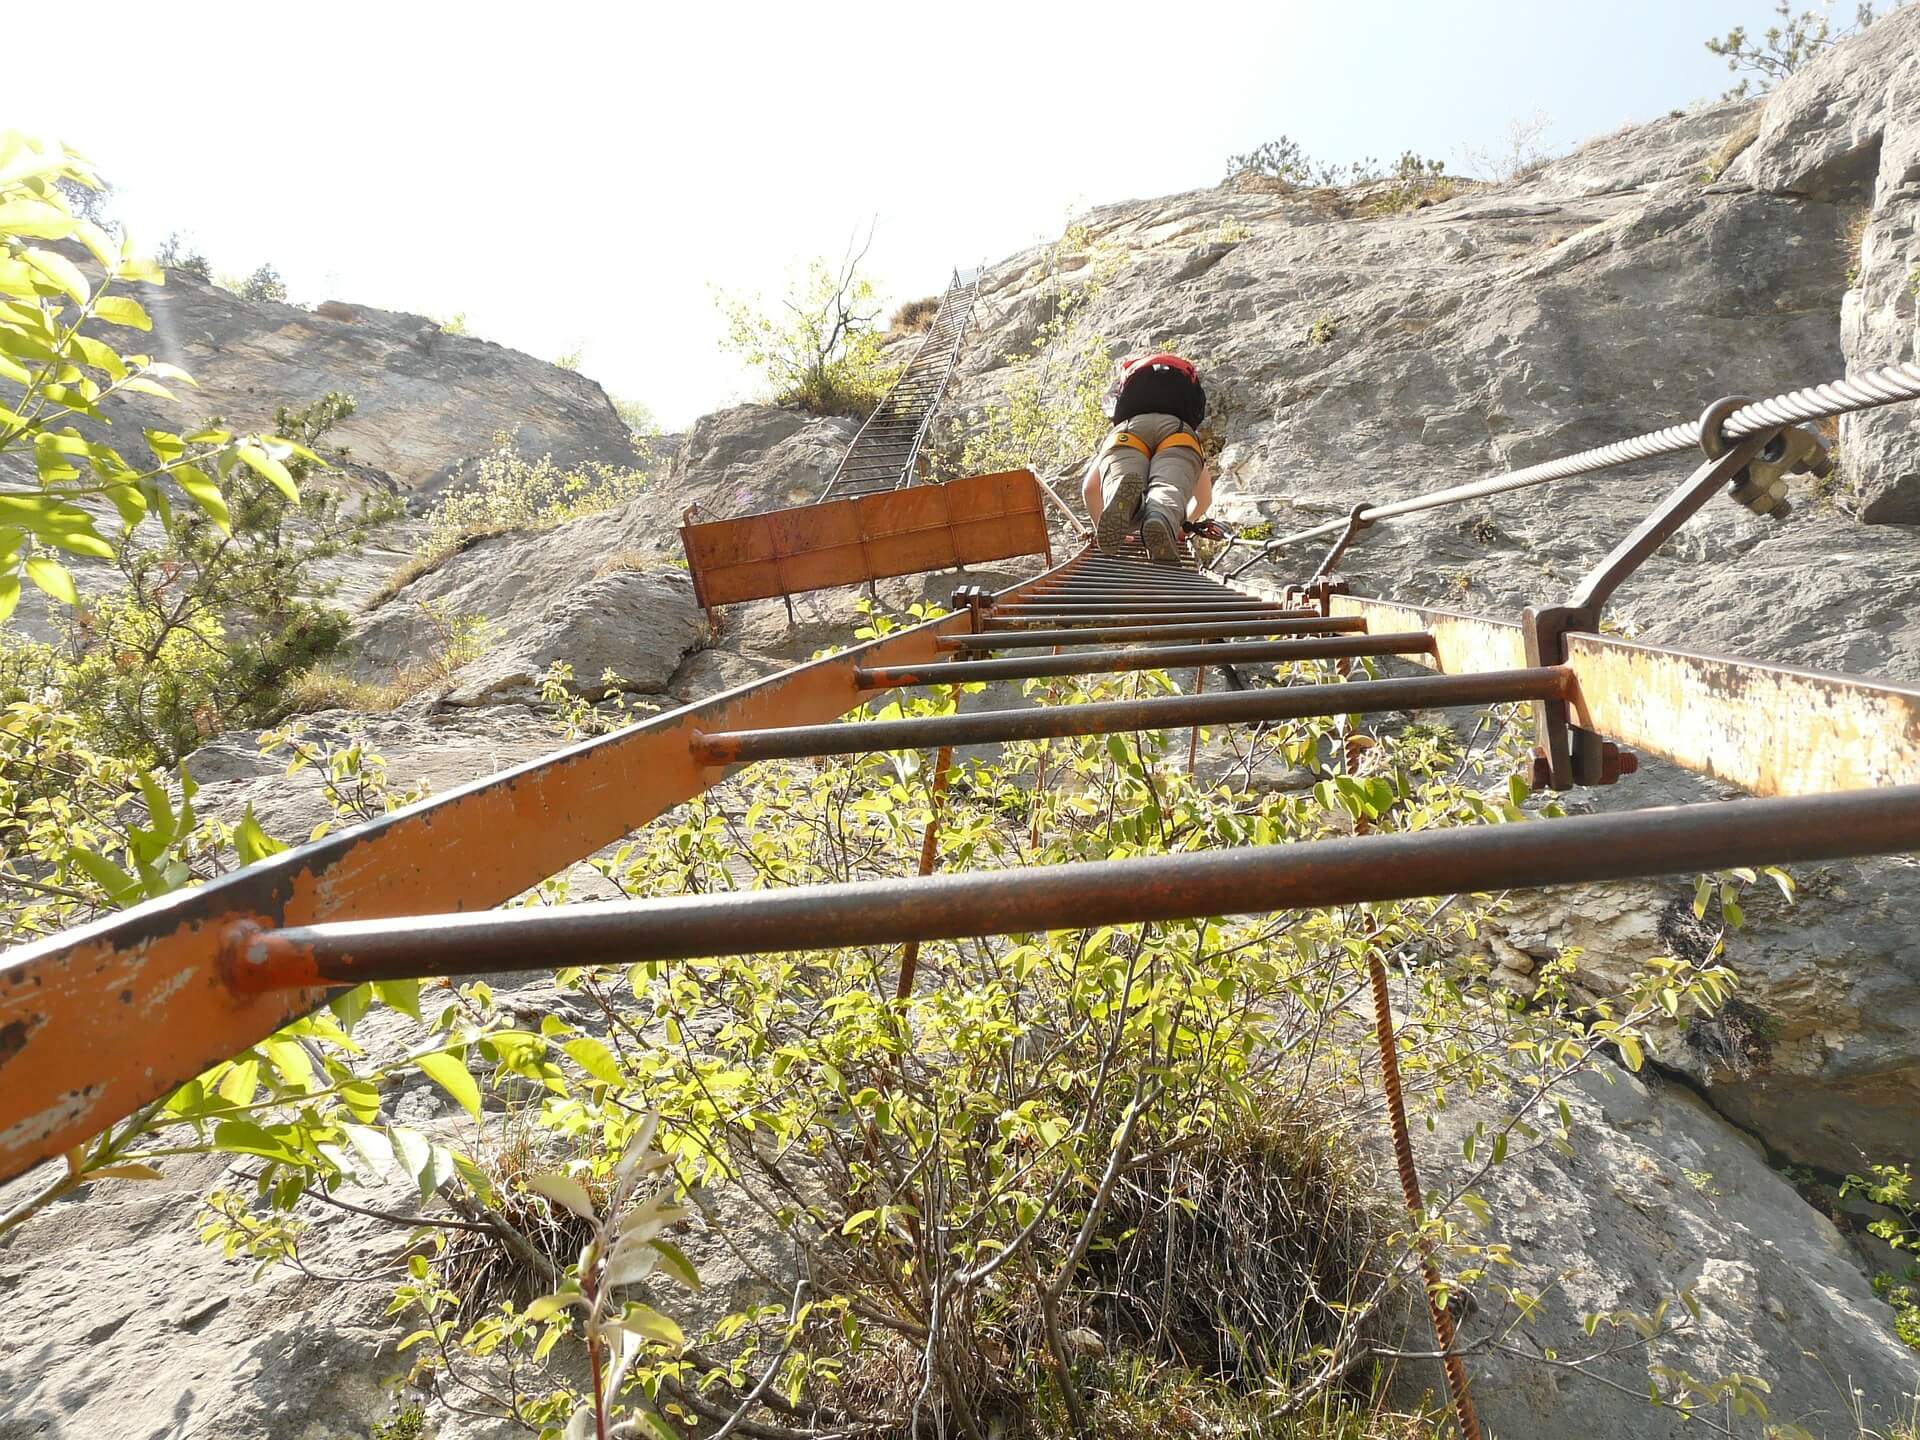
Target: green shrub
{"points": [[175, 253], [263, 284], [1782, 48], [214, 618], [508, 492], [55, 374], [1050, 415], [820, 349], [637, 416]]}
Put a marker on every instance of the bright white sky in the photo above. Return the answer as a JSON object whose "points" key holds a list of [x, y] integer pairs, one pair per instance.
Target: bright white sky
{"points": [[579, 176]]}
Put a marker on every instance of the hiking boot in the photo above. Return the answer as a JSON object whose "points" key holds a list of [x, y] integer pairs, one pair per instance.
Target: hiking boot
{"points": [[1120, 514], [1161, 537]]}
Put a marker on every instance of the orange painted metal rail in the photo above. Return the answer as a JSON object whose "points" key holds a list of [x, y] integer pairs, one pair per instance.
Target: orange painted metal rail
{"points": [[972, 521]]}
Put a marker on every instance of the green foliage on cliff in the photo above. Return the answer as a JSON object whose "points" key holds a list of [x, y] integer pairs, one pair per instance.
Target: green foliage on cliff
{"points": [[820, 348]]}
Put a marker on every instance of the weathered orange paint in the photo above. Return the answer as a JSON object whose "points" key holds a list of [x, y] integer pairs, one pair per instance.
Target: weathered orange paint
{"points": [[99, 1020], [846, 542]]}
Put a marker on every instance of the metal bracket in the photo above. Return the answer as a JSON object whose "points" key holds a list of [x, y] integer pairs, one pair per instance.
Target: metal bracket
{"points": [[1356, 522], [976, 600], [1317, 592], [1566, 755], [1762, 486]]}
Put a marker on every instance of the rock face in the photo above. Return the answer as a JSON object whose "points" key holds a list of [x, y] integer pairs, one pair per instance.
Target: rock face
{"points": [[601, 593], [1820, 1055], [1661, 1197], [427, 403]]}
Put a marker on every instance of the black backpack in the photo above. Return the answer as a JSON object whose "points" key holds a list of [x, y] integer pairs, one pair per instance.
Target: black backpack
{"points": [[1158, 385]]}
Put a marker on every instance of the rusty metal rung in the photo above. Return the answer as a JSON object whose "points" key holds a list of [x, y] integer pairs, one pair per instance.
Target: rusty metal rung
{"points": [[985, 727], [1144, 657], [1680, 839]]}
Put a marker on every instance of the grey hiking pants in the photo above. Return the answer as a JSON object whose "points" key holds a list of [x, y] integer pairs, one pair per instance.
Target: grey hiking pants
{"points": [[1162, 450]]}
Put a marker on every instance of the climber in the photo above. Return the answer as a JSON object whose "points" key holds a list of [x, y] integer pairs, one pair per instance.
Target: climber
{"points": [[1150, 474]]}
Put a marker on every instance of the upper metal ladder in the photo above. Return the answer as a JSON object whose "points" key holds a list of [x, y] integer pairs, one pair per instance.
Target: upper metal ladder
{"points": [[882, 455]]}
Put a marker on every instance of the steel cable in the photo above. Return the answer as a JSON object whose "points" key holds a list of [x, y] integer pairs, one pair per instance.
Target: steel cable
{"points": [[1888, 385]]}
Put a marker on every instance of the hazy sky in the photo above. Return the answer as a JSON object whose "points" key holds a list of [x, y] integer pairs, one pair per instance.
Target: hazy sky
{"points": [[579, 176]]}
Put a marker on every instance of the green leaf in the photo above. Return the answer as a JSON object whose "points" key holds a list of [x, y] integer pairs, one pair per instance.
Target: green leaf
{"points": [[83, 542], [402, 995], [264, 465], [290, 1058], [650, 1324], [596, 1059], [243, 1137], [121, 887], [362, 1099], [251, 842], [122, 310], [238, 1085], [101, 357], [140, 385], [204, 493], [35, 219], [410, 1147], [60, 272], [52, 577], [350, 1005], [548, 1306], [371, 1148], [131, 504], [9, 594], [564, 1190], [128, 1171], [674, 1260], [449, 1072]]}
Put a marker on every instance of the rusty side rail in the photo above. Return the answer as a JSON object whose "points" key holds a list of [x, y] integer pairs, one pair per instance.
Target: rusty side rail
{"points": [[101, 1019], [1770, 729]]}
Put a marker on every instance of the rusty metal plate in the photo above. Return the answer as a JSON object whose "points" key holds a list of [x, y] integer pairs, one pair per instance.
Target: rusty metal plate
{"points": [[868, 537], [1769, 729]]}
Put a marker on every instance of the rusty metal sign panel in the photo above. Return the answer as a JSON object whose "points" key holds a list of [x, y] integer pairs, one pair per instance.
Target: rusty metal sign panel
{"points": [[870, 537]]}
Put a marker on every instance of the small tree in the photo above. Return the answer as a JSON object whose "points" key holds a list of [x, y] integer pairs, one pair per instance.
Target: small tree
{"points": [[177, 253], [1784, 48], [215, 617], [263, 284], [824, 352], [637, 417]]}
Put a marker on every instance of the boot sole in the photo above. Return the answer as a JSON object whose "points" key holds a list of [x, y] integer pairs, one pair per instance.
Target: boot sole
{"points": [[1119, 515], [1162, 543]]}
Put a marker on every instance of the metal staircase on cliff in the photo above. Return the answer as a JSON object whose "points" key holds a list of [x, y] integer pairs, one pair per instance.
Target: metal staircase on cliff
{"points": [[882, 455], [104, 1019]]}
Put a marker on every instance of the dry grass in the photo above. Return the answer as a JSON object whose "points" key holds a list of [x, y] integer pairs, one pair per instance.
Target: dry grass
{"points": [[327, 687], [621, 560], [1853, 241], [915, 315], [1729, 150], [1240, 1256], [483, 1269], [425, 561]]}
